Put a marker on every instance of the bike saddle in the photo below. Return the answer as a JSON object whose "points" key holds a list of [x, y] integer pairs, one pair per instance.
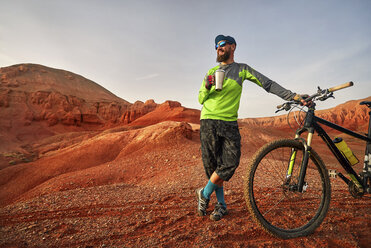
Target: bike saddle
{"points": [[367, 103]]}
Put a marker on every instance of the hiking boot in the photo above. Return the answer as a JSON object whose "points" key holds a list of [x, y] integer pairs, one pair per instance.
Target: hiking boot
{"points": [[202, 202], [219, 212]]}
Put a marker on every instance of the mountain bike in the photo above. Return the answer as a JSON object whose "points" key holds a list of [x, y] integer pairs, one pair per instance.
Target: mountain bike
{"points": [[287, 187]]}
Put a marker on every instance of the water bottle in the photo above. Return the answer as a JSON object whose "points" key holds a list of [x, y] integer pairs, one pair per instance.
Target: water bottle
{"points": [[219, 79], [345, 150]]}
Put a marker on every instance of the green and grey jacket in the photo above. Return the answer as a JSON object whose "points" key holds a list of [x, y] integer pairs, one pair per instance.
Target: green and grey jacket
{"points": [[224, 104]]}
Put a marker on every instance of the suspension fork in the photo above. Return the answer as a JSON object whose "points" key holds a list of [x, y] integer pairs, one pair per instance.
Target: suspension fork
{"points": [[292, 160], [308, 126], [304, 162]]}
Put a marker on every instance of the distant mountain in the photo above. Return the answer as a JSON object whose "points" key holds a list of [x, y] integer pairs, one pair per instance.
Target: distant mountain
{"points": [[350, 115], [38, 101]]}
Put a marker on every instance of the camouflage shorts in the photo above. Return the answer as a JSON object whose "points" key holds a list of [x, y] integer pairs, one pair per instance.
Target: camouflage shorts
{"points": [[221, 147]]}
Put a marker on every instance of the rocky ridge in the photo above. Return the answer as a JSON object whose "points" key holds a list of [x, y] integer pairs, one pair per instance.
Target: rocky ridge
{"points": [[40, 102], [350, 115]]}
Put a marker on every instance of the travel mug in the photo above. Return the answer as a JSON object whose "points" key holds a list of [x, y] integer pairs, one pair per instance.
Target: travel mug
{"points": [[219, 78]]}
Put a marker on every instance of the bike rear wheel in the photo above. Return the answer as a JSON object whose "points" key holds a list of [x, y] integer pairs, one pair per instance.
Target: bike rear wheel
{"points": [[274, 201]]}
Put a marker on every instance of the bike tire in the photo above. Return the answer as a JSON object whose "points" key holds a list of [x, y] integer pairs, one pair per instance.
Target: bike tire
{"points": [[282, 212]]}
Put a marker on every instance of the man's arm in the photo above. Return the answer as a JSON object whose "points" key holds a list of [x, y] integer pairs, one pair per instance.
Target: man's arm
{"points": [[267, 84]]}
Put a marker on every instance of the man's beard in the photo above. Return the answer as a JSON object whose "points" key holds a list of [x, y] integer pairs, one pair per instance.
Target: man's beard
{"points": [[223, 57]]}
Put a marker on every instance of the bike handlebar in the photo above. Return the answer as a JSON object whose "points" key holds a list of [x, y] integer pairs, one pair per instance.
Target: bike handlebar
{"points": [[321, 95], [342, 86], [280, 106]]}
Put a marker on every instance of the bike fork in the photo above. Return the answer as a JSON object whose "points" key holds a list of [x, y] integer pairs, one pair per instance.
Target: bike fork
{"points": [[302, 185], [304, 163]]}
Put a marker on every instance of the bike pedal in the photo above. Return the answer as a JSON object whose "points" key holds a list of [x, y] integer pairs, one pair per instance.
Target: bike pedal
{"points": [[332, 173]]}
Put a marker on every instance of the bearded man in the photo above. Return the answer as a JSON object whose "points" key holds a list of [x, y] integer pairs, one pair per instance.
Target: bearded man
{"points": [[219, 133]]}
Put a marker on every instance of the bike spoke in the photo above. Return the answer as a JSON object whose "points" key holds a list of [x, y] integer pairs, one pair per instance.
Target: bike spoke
{"points": [[273, 207]]}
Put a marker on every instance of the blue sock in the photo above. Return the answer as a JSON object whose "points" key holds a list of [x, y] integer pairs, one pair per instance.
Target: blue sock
{"points": [[209, 189], [219, 191]]}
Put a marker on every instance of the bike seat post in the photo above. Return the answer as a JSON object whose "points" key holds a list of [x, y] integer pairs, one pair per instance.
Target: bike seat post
{"points": [[367, 161], [368, 146], [368, 104], [368, 154]]}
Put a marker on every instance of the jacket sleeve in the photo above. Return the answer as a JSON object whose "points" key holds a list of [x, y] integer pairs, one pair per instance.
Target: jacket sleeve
{"points": [[268, 84], [203, 93]]}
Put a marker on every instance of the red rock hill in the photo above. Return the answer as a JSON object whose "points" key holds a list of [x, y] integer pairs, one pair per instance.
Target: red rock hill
{"points": [[37, 102], [350, 115]]}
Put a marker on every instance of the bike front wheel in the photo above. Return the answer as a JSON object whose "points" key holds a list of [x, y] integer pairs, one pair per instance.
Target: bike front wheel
{"points": [[272, 195]]}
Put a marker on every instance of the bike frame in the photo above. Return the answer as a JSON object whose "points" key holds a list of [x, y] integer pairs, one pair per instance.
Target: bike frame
{"points": [[311, 125]]}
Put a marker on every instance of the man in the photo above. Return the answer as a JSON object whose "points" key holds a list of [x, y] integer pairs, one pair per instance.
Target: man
{"points": [[219, 134]]}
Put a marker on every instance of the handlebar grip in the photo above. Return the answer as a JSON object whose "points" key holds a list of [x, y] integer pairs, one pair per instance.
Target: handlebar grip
{"points": [[280, 106], [342, 86]]}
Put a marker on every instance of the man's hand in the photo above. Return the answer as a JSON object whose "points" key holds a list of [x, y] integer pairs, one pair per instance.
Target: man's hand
{"points": [[209, 81], [301, 98]]}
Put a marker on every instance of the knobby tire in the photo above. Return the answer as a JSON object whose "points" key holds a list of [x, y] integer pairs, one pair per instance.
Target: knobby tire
{"points": [[273, 204]]}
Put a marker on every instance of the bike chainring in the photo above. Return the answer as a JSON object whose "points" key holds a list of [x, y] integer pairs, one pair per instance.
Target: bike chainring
{"points": [[355, 191]]}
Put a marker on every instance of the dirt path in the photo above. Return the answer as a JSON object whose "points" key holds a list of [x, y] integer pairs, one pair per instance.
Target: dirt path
{"points": [[130, 216]]}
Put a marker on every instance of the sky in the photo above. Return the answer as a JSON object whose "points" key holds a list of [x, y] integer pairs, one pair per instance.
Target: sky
{"points": [[162, 49]]}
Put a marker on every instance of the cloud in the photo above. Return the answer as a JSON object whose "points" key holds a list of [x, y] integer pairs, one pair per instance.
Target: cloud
{"points": [[150, 76], [330, 65]]}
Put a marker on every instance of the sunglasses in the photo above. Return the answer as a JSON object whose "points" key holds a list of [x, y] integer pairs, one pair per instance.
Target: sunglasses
{"points": [[221, 44]]}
